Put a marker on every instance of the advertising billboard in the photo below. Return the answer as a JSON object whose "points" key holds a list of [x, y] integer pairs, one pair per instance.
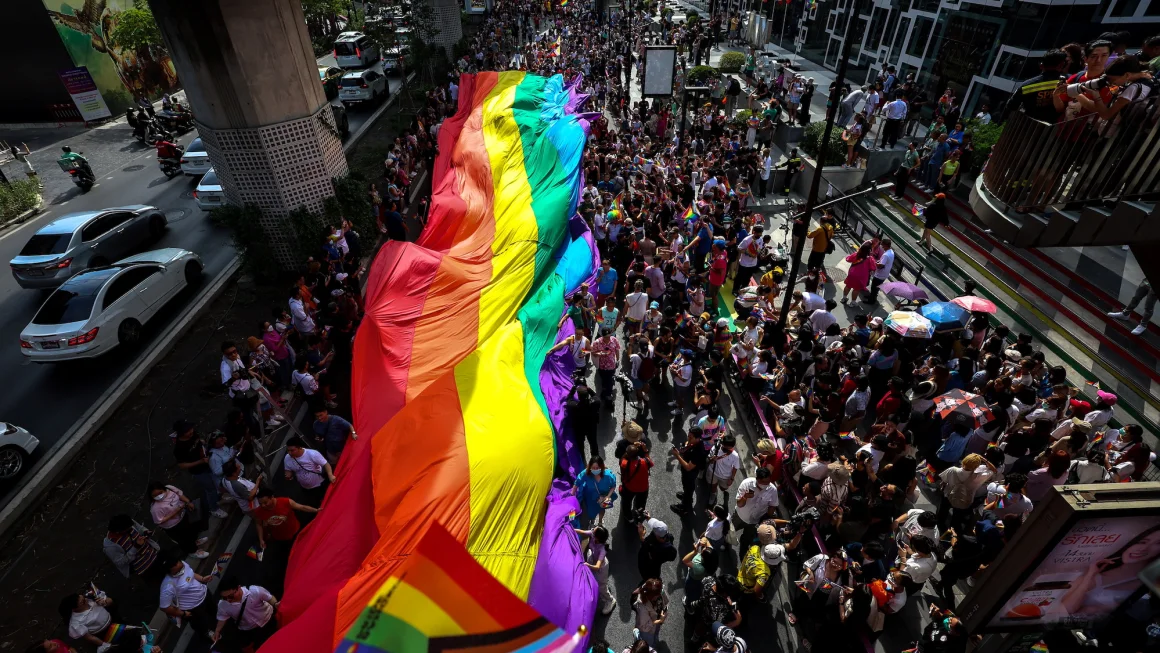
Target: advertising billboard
{"points": [[84, 93], [120, 74], [1091, 570], [659, 68]]}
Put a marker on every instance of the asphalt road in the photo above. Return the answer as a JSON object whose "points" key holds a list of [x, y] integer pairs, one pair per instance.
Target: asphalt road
{"points": [[48, 399]]}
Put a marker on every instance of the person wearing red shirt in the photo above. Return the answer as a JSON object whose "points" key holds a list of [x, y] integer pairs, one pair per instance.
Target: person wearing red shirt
{"points": [[277, 527], [634, 471], [1095, 56], [892, 400]]}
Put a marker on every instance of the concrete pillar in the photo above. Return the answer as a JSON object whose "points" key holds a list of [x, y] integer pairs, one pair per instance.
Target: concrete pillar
{"points": [[251, 78], [448, 22]]}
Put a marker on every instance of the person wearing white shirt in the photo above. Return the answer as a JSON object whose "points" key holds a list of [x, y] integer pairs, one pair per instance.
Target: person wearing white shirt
{"points": [[723, 463], [895, 112], [882, 273], [252, 609], [747, 258], [984, 116], [763, 173], [809, 301], [308, 467], [709, 185], [916, 559], [756, 497], [821, 319], [88, 618], [184, 594], [301, 320]]}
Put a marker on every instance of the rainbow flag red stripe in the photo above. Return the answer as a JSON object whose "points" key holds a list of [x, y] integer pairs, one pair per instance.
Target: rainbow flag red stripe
{"points": [[690, 213]]}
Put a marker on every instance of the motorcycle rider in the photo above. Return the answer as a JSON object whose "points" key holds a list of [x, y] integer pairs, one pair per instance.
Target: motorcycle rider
{"points": [[168, 153], [131, 118], [72, 159]]}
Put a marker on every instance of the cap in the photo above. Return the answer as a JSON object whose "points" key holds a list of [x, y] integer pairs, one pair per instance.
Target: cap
{"points": [[705, 316], [654, 525], [773, 554], [723, 323], [924, 390], [876, 322], [725, 637], [654, 305], [341, 276], [1107, 397], [1081, 426], [632, 431]]}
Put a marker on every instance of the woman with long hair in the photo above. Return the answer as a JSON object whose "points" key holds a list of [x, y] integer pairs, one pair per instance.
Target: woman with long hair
{"points": [[862, 266], [1107, 582]]}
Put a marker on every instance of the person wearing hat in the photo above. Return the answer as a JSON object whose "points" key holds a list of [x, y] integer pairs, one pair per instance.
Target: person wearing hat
{"points": [[656, 548], [192, 455], [756, 569], [1098, 415], [726, 642]]}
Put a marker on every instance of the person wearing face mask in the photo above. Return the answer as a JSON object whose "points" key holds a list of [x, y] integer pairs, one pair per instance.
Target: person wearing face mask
{"points": [[173, 512], [595, 488]]}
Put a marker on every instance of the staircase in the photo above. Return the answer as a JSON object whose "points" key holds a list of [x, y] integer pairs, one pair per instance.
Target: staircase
{"points": [[1079, 182]]}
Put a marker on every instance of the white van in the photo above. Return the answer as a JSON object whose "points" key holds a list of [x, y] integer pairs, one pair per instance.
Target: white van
{"points": [[355, 50]]}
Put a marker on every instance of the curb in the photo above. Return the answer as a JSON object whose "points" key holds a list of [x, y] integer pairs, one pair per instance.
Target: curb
{"points": [[58, 459], [374, 117], [23, 217]]}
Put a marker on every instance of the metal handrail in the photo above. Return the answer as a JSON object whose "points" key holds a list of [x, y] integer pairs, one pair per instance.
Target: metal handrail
{"points": [[1086, 159]]}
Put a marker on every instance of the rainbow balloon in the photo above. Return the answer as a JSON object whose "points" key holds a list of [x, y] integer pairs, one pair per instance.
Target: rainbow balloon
{"points": [[458, 405]]}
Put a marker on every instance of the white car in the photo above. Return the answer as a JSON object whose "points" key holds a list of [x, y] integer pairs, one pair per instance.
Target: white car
{"points": [[195, 160], [98, 309], [16, 445], [363, 86], [209, 193]]}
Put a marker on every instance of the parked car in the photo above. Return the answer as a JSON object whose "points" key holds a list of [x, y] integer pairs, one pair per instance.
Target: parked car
{"points": [[330, 76], [195, 160], [97, 310], [363, 86], [16, 446], [78, 241], [209, 193], [355, 50]]}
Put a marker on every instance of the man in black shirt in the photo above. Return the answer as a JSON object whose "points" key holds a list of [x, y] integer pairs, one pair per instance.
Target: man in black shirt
{"points": [[692, 458], [190, 452], [1035, 95]]}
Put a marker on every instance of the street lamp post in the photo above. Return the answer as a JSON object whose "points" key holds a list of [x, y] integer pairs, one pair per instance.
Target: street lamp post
{"points": [[695, 90], [812, 198]]}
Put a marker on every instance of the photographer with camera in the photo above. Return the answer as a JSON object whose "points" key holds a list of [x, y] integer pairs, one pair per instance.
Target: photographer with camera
{"points": [[756, 500], [692, 458], [656, 546], [584, 413]]}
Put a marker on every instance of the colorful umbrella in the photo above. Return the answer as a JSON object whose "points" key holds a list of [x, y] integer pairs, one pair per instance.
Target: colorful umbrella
{"points": [[903, 290], [909, 324], [975, 304], [946, 316], [963, 403]]}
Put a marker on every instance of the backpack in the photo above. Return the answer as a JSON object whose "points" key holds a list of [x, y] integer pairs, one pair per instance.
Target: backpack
{"points": [[647, 368], [961, 495]]}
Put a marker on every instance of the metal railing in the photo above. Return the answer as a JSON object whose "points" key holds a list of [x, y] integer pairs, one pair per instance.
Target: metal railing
{"points": [[1086, 159]]}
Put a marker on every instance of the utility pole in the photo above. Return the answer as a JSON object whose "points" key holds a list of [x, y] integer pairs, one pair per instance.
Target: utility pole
{"points": [[695, 90], [816, 182]]}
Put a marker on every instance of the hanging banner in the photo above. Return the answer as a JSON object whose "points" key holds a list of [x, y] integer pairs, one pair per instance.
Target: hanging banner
{"points": [[85, 95]]}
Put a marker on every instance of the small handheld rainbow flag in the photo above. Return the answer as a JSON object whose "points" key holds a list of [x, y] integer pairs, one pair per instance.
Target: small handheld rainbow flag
{"points": [[255, 553], [1097, 439], [690, 213], [929, 474], [1094, 384], [114, 633], [618, 202], [917, 210], [563, 3], [726, 186], [220, 566], [848, 436], [1039, 647], [801, 585]]}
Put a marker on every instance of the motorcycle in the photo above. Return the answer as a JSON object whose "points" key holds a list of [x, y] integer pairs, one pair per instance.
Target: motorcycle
{"points": [[176, 121], [149, 132], [81, 173], [170, 168]]}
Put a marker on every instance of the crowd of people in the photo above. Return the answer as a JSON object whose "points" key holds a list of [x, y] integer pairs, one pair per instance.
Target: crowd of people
{"points": [[850, 404]]}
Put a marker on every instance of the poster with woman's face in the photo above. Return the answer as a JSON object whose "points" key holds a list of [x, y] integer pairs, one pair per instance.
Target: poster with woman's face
{"points": [[1089, 572]]}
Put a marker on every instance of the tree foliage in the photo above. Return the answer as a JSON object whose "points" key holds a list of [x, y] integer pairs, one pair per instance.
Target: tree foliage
{"points": [[835, 150], [136, 28], [731, 62]]}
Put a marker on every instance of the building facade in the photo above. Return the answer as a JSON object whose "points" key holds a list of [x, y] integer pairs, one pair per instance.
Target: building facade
{"points": [[981, 49]]}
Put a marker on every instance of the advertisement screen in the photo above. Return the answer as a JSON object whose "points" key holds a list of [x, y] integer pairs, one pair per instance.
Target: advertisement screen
{"points": [[1086, 575], [659, 64]]}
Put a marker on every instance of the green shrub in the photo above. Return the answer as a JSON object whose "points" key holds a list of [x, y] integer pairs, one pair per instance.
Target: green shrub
{"points": [[742, 117], [244, 223], [731, 62], [692, 16], [17, 197], [701, 75], [983, 138], [835, 150]]}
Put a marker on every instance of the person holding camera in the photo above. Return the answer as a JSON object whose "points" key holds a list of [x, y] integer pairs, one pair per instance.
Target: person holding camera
{"points": [[723, 465], [650, 607], [692, 458]]}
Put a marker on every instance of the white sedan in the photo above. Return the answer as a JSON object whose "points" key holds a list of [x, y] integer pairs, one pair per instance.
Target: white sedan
{"points": [[16, 445], [101, 308]]}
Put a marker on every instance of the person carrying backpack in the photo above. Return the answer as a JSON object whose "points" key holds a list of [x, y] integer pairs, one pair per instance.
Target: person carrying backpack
{"points": [[642, 369]]}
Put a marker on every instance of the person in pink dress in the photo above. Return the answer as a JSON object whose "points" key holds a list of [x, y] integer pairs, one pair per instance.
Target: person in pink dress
{"points": [[862, 265]]}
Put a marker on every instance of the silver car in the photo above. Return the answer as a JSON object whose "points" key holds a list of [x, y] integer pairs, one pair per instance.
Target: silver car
{"points": [[209, 193], [80, 241], [16, 446], [195, 161]]}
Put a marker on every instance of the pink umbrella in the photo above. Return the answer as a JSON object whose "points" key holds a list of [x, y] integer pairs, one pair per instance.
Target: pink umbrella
{"points": [[975, 304]]}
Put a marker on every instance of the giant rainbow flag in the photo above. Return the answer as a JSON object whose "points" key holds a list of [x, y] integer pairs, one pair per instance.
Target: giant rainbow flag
{"points": [[459, 406]]}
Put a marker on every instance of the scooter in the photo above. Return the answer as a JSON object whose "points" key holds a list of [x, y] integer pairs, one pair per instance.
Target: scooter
{"points": [[170, 168], [81, 173], [176, 121]]}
